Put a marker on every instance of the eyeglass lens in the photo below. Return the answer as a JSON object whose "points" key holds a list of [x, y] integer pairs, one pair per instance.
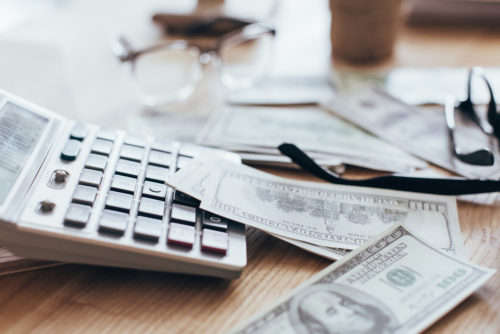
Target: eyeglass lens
{"points": [[168, 74]]}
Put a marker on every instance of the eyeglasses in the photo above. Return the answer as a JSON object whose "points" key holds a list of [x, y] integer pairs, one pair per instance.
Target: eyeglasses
{"points": [[170, 71], [488, 122]]}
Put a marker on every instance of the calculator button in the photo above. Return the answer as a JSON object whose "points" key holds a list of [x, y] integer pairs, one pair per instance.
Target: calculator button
{"points": [[119, 201], [151, 207], [132, 152], [214, 241], [147, 228], [77, 215], [160, 158], [183, 214], [181, 198], [155, 173], [90, 177], [97, 162], [71, 150], [79, 132], [179, 234], [124, 184], [182, 161], [84, 195], [214, 222], [135, 140], [128, 168], [46, 207], [60, 176], [163, 145], [113, 222], [154, 190], [102, 146], [107, 134]]}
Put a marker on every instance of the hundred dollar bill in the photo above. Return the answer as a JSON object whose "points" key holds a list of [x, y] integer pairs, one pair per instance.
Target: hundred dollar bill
{"points": [[397, 283], [316, 213], [327, 252], [422, 131], [261, 129]]}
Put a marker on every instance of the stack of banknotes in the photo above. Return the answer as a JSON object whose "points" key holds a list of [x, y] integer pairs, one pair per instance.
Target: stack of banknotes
{"points": [[255, 132], [401, 254]]}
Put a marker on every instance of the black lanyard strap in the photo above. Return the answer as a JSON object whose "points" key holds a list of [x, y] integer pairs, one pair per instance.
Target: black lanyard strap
{"points": [[438, 186]]}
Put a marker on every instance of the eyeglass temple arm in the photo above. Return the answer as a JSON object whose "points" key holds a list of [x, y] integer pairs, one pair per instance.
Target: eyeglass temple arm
{"points": [[467, 107], [413, 184], [122, 49]]}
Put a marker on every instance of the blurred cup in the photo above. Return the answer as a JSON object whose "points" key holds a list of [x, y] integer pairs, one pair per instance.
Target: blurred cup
{"points": [[363, 30]]}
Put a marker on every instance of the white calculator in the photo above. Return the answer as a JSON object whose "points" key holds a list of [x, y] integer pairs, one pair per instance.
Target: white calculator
{"points": [[75, 192]]}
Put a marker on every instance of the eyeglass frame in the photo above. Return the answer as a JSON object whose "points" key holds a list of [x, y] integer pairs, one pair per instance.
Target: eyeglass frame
{"points": [[492, 126], [127, 54]]}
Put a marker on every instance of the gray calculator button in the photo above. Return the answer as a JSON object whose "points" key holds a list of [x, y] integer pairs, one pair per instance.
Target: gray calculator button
{"points": [[132, 152], [154, 190], [160, 158], [108, 134], [215, 222], [77, 215], [182, 161], [183, 214], [128, 168], [180, 234], [147, 228], [119, 201], [155, 173], [181, 198], [124, 184], [113, 222], [96, 161], [79, 132], [151, 207], [214, 241], [71, 150], [84, 195], [90, 177], [135, 140], [102, 146], [163, 145]]}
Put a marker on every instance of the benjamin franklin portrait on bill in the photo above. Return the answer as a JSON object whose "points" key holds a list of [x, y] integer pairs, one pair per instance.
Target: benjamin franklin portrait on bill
{"points": [[336, 308]]}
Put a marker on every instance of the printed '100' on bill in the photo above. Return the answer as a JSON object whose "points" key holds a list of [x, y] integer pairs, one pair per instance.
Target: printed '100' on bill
{"points": [[395, 284]]}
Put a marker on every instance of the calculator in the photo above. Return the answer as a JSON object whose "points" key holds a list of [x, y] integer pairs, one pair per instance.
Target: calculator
{"points": [[79, 193]]}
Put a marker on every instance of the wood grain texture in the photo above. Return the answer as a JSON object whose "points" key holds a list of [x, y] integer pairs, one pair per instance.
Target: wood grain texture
{"points": [[88, 299]]}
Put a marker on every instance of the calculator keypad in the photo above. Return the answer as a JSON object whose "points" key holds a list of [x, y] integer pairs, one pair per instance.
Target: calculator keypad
{"points": [[137, 197]]}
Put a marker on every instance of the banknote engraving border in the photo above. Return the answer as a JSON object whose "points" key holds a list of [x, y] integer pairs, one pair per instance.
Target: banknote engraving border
{"points": [[412, 204]]}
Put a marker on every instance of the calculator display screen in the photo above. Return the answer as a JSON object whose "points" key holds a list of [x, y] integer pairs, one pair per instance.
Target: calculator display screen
{"points": [[20, 131]]}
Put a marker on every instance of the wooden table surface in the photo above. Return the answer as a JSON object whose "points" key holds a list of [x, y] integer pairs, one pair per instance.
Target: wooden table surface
{"points": [[78, 298]]}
